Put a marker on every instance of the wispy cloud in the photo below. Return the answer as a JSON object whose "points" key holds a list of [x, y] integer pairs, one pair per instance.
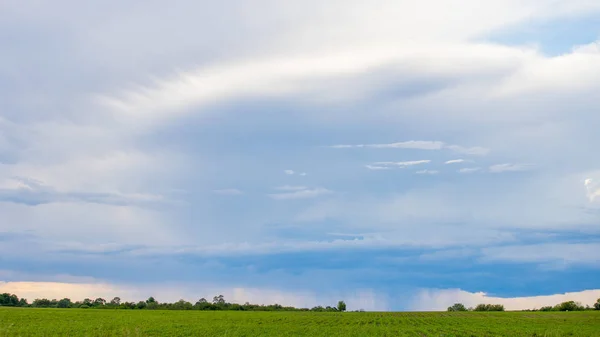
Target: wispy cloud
{"points": [[305, 193], [377, 168], [455, 161], [411, 144], [430, 172], [469, 170], [229, 191], [510, 168], [292, 172], [387, 165], [419, 145]]}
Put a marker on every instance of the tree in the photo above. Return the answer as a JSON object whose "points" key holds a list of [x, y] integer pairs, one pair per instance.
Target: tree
{"points": [[41, 303], [116, 301], [150, 300], [489, 307], [182, 305], [318, 308], [99, 302], [341, 306], [202, 304], [9, 300], [219, 300], [597, 304], [23, 303], [128, 305], [64, 303], [569, 306], [457, 307]]}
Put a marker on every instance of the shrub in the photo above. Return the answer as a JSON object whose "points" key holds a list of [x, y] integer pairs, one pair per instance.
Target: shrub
{"points": [[457, 307], [489, 307], [569, 306]]}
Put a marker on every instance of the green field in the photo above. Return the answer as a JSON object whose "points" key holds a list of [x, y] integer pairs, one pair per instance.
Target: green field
{"points": [[90, 322]]}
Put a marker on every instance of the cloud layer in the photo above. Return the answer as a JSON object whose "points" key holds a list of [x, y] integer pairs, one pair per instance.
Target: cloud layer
{"points": [[439, 300], [145, 134]]}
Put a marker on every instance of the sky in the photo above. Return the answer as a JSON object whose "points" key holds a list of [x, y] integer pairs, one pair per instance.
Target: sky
{"points": [[398, 155]]}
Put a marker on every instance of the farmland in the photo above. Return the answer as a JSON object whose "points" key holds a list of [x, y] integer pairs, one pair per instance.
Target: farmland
{"points": [[93, 322]]}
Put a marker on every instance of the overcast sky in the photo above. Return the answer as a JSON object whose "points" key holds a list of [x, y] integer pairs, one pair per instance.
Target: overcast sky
{"points": [[400, 155]]}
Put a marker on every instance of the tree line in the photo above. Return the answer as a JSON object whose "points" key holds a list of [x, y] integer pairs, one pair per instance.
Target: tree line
{"points": [[217, 303], [564, 306]]}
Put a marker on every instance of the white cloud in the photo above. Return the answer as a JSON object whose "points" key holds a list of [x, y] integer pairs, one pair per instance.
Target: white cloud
{"points": [[441, 299], [412, 144], [377, 168], [198, 87], [469, 170], [430, 172], [229, 191], [289, 172], [301, 194], [361, 49], [455, 161], [384, 165], [572, 72], [419, 145], [500, 168], [592, 189]]}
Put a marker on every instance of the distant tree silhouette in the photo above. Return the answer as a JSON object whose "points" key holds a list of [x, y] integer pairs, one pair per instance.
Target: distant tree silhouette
{"points": [[457, 307]]}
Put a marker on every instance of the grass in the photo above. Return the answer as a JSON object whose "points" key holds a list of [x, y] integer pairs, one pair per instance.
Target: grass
{"points": [[89, 322]]}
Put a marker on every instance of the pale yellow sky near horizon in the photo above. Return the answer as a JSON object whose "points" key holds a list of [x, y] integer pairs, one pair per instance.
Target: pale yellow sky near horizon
{"points": [[425, 300]]}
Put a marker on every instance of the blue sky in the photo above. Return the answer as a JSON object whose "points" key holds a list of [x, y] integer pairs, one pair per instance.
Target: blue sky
{"points": [[399, 155]]}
